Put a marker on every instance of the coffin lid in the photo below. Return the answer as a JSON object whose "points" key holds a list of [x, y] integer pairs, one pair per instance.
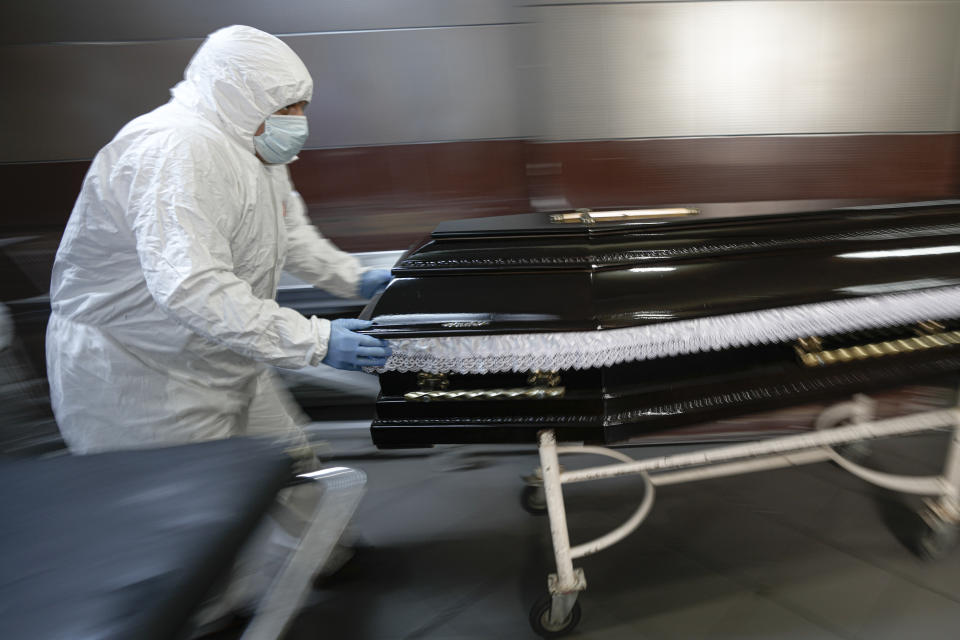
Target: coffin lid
{"points": [[526, 273]]}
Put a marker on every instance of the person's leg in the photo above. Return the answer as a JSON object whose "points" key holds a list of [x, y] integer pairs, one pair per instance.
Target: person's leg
{"points": [[268, 416], [273, 414]]}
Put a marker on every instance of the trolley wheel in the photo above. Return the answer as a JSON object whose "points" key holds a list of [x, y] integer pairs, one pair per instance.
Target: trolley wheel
{"points": [[935, 538], [533, 499], [540, 619]]}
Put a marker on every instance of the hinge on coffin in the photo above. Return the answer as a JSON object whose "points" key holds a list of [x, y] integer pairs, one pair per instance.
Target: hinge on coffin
{"points": [[432, 381]]}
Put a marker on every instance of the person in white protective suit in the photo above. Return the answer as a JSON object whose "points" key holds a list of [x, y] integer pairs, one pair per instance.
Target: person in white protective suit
{"points": [[163, 288], [164, 323]]}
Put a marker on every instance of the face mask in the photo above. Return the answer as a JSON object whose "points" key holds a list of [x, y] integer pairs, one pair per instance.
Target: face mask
{"points": [[282, 138]]}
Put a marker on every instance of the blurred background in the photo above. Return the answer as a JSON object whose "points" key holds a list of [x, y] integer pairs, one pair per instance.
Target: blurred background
{"points": [[429, 110]]}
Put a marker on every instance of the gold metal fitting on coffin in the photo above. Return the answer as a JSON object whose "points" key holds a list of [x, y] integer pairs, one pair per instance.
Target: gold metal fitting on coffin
{"points": [[544, 385], [928, 327], [520, 393], [811, 343], [540, 378], [930, 335], [432, 381]]}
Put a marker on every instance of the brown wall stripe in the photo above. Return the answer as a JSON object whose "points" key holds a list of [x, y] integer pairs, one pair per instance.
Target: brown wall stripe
{"points": [[386, 197], [641, 172]]}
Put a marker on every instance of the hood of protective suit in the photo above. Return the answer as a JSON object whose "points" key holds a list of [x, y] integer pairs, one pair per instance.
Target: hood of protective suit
{"points": [[238, 77]]}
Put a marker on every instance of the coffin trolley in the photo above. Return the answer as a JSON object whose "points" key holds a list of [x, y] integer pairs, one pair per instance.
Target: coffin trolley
{"points": [[596, 327]]}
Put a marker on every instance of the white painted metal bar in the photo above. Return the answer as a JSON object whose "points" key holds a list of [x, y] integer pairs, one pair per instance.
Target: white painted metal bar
{"points": [[738, 468], [951, 470], [553, 489], [860, 411], [751, 457], [923, 485], [627, 527], [788, 444], [949, 504], [621, 532], [596, 451]]}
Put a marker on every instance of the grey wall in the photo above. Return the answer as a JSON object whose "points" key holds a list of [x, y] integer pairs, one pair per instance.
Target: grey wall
{"points": [[385, 71], [403, 71], [46, 21], [652, 69], [437, 84]]}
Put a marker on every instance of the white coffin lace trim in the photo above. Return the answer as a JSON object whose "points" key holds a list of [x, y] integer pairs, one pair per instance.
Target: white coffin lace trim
{"points": [[585, 349]]}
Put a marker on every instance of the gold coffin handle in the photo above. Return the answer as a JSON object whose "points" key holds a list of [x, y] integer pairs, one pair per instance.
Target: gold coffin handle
{"points": [[433, 386], [518, 393], [813, 357], [587, 216]]}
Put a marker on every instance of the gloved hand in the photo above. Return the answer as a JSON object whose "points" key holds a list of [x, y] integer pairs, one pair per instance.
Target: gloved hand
{"points": [[374, 281], [349, 350]]}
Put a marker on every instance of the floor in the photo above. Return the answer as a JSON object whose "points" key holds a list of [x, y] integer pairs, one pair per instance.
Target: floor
{"points": [[446, 552]]}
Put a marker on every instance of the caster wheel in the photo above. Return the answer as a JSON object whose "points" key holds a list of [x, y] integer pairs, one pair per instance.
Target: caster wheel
{"points": [[540, 619], [936, 540], [534, 500]]}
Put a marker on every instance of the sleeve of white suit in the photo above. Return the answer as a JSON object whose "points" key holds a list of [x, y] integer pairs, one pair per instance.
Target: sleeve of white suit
{"points": [[310, 256], [178, 208]]}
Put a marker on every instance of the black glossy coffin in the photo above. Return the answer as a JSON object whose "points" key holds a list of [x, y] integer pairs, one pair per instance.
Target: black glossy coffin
{"points": [[530, 274]]}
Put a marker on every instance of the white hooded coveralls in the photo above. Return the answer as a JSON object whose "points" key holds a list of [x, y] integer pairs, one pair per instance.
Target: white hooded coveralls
{"points": [[163, 288]]}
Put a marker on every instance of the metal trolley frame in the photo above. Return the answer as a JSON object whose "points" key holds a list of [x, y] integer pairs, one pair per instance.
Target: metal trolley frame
{"points": [[845, 423]]}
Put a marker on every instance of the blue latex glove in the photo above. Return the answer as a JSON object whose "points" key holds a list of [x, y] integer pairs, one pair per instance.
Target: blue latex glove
{"points": [[374, 281], [349, 350]]}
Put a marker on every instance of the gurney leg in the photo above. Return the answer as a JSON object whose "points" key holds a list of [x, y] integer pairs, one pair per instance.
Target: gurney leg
{"points": [[940, 516], [533, 499], [559, 613]]}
